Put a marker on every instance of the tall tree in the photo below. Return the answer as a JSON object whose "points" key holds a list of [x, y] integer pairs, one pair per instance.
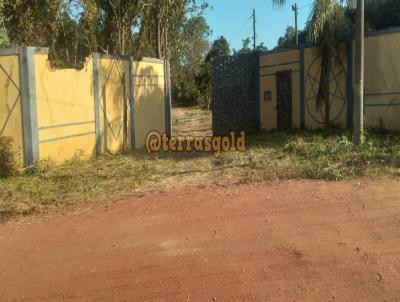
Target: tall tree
{"points": [[220, 47], [186, 60], [246, 47], [118, 19], [288, 40], [382, 14], [32, 23], [4, 39]]}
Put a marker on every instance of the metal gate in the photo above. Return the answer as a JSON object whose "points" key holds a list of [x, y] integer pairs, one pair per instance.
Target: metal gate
{"points": [[284, 99]]}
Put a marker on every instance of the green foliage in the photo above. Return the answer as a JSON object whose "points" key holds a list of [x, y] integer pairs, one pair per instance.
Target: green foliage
{"points": [[382, 14], [262, 47], [31, 22], [194, 46], [325, 28], [220, 47], [8, 165], [245, 47], [4, 39], [379, 14], [248, 48], [327, 155], [288, 40], [73, 29]]}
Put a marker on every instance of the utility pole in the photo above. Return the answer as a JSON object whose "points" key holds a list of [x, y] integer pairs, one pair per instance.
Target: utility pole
{"points": [[254, 30], [358, 136], [295, 9]]}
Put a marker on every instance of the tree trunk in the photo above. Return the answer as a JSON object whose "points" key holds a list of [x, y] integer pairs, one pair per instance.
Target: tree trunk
{"points": [[323, 97], [158, 29]]}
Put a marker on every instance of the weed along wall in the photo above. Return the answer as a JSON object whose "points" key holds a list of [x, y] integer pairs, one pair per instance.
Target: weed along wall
{"points": [[108, 106], [288, 83]]}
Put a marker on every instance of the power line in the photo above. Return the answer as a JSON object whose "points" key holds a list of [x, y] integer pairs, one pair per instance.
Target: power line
{"points": [[254, 29], [241, 28]]}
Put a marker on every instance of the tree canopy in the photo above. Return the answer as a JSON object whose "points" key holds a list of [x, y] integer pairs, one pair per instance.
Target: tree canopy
{"points": [[381, 14], [73, 29], [248, 48]]}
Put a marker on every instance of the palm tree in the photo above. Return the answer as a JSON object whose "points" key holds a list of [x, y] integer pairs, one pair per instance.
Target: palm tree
{"points": [[327, 24]]}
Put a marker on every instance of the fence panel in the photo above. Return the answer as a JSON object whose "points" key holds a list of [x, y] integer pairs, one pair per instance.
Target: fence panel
{"points": [[149, 95], [10, 102], [114, 104], [108, 106], [234, 94], [65, 112]]}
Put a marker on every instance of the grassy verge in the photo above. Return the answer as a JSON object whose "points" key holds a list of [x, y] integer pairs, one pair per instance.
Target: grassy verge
{"points": [[277, 155]]}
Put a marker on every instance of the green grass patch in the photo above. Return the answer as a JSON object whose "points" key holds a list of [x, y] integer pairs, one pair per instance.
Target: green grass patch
{"points": [[8, 159], [327, 155]]}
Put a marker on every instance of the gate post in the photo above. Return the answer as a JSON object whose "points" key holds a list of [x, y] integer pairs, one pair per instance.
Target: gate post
{"points": [[349, 84], [132, 102], [29, 110], [167, 95], [258, 101], [96, 93], [302, 89]]}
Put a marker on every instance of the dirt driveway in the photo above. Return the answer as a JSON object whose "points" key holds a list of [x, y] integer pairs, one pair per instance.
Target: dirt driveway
{"points": [[293, 241]]}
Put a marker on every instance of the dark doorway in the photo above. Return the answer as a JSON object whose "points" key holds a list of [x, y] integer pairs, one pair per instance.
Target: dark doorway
{"points": [[284, 99]]}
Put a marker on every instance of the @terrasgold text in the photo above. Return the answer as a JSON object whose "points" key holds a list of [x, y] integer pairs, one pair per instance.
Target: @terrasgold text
{"points": [[157, 142]]}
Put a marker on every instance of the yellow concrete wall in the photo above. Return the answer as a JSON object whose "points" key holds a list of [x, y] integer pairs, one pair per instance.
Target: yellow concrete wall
{"points": [[382, 81], [114, 99], [10, 103], [314, 118], [149, 100], [65, 110], [268, 109]]}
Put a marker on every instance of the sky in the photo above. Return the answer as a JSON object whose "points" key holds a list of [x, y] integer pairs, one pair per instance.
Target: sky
{"points": [[228, 18]]}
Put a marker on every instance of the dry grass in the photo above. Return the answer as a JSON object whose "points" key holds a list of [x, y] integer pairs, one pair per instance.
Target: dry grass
{"points": [[276, 155], [191, 121]]}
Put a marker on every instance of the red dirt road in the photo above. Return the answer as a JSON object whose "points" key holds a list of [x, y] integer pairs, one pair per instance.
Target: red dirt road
{"points": [[293, 241]]}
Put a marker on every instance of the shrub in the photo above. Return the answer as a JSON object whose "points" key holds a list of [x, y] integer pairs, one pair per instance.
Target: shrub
{"points": [[8, 164]]}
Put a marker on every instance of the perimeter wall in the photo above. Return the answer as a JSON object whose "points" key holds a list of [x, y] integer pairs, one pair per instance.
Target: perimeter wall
{"points": [[108, 106]]}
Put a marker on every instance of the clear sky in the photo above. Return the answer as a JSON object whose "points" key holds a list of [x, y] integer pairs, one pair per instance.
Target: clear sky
{"points": [[227, 17]]}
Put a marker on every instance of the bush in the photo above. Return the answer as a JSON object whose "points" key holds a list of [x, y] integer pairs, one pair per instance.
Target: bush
{"points": [[8, 164]]}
